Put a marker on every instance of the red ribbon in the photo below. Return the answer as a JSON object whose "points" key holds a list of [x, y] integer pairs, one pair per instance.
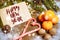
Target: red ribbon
{"points": [[34, 23]]}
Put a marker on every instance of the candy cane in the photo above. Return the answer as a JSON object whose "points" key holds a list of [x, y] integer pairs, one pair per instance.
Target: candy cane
{"points": [[26, 33]]}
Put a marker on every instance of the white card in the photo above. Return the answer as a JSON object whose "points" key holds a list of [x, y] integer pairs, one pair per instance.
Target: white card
{"points": [[15, 14]]}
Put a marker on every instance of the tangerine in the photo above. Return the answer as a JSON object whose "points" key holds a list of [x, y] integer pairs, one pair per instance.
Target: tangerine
{"points": [[55, 19], [47, 25], [49, 14], [41, 17]]}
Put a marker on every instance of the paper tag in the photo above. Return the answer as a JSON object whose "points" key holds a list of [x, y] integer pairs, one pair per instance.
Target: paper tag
{"points": [[15, 14]]}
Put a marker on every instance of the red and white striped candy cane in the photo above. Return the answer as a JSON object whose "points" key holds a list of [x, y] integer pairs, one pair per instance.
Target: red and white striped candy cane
{"points": [[34, 23]]}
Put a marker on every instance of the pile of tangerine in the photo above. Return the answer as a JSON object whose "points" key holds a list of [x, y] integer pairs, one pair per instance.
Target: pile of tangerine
{"points": [[48, 19]]}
